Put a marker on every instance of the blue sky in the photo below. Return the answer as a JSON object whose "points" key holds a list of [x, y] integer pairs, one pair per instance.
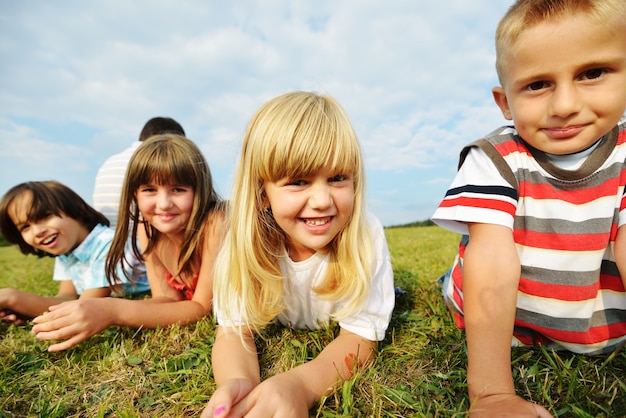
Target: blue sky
{"points": [[79, 79]]}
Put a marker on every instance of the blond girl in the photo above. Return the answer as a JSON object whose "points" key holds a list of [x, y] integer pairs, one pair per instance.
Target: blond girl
{"points": [[302, 250]]}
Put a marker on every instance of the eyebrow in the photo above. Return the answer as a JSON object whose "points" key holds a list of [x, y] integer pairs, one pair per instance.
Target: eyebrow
{"points": [[20, 224], [609, 61]]}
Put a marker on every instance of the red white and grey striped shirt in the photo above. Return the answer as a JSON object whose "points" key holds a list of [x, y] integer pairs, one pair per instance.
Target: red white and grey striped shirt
{"points": [[564, 223]]}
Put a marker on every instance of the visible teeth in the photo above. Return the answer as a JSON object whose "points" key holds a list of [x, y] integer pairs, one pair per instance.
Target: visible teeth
{"points": [[49, 240], [316, 222]]}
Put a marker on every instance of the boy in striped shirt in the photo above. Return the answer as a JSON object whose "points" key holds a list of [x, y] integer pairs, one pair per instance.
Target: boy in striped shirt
{"points": [[540, 203]]}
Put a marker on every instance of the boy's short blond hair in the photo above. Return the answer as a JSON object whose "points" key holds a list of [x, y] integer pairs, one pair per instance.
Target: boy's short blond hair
{"points": [[525, 14]]}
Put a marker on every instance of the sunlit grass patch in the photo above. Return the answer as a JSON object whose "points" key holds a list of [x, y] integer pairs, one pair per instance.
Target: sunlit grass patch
{"points": [[419, 370]]}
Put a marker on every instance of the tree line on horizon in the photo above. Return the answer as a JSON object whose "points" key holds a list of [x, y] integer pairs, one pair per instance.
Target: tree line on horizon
{"points": [[426, 222]]}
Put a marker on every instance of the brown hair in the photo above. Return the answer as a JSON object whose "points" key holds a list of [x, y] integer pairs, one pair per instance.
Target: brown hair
{"points": [[163, 159], [48, 198]]}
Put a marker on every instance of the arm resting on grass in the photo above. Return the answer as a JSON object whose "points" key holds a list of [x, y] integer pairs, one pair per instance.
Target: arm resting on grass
{"points": [[491, 274], [29, 305], [235, 369], [76, 321], [293, 392]]}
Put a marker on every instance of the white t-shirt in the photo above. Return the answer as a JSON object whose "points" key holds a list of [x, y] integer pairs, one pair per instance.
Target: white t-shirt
{"points": [[303, 309], [108, 185]]}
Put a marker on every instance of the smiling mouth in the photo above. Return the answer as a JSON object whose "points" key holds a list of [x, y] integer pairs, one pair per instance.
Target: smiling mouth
{"points": [[316, 221], [49, 240], [564, 132], [166, 215]]}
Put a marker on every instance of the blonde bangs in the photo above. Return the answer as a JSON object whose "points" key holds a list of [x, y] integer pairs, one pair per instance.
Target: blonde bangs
{"points": [[297, 138]]}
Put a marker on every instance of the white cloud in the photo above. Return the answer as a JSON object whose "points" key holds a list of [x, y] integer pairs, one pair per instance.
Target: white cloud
{"points": [[413, 75]]}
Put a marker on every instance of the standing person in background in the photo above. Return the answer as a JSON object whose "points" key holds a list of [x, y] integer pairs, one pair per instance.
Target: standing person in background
{"points": [[110, 176], [176, 227], [301, 249], [541, 204]]}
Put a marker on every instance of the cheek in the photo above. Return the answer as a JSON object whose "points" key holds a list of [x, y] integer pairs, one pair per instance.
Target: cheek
{"points": [[143, 204], [188, 205], [28, 238], [345, 201]]}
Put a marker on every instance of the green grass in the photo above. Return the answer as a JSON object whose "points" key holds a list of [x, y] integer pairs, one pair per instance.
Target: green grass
{"points": [[420, 370]]}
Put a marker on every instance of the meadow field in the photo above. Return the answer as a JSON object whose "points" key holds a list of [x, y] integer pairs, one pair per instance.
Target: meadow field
{"points": [[419, 372]]}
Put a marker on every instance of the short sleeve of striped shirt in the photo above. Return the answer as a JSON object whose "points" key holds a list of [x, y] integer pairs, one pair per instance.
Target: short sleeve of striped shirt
{"points": [[478, 194]]}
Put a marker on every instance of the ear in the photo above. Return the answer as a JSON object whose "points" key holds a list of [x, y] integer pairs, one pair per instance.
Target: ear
{"points": [[503, 103]]}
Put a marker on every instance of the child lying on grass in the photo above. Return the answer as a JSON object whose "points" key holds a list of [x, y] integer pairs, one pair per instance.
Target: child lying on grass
{"points": [[49, 219]]}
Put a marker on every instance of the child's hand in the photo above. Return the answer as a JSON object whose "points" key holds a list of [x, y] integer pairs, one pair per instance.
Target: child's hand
{"points": [[506, 405], [72, 321], [7, 315], [281, 396], [227, 396]]}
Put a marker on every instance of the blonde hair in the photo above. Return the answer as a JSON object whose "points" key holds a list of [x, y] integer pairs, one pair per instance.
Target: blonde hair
{"points": [[525, 14], [293, 135], [164, 159]]}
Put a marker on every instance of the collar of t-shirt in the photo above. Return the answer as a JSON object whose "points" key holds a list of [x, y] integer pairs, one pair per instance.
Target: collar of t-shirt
{"points": [[572, 161]]}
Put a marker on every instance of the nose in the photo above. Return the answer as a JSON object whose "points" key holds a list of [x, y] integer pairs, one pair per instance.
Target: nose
{"points": [[321, 197], [565, 101], [38, 228], [164, 200]]}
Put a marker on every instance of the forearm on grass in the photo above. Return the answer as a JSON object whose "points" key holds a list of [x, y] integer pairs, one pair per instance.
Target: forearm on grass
{"points": [[336, 363], [152, 313], [28, 304], [491, 272], [234, 357]]}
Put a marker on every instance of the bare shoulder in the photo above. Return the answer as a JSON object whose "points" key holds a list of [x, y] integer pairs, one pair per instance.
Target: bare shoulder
{"points": [[215, 225]]}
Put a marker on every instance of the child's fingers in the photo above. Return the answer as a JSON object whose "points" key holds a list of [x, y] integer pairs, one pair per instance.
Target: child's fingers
{"points": [[68, 335], [217, 411], [9, 317], [61, 328], [55, 307], [44, 323], [45, 317], [226, 397], [64, 345], [219, 405], [542, 412]]}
